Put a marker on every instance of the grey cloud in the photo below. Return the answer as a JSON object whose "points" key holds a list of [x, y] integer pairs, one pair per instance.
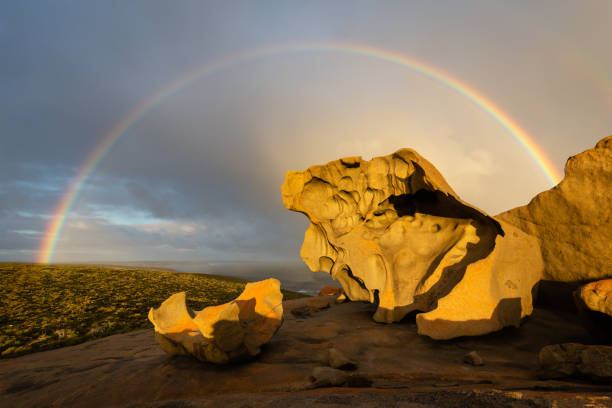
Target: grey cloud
{"points": [[215, 153], [159, 204]]}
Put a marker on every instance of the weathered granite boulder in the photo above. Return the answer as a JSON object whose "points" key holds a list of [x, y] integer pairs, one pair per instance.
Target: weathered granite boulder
{"points": [[597, 295], [331, 291], [394, 233], [573, 221], [594, 304], [220, 334], [576, 360]]}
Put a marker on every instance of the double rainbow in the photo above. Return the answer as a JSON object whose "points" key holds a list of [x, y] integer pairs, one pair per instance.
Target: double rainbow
{"points": [[56, 223]]}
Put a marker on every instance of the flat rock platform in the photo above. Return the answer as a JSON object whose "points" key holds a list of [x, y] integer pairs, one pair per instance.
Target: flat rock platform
{"points": [[396, 368]]}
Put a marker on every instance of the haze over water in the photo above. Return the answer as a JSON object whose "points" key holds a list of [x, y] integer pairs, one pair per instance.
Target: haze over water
{"points": [[293, 276]]}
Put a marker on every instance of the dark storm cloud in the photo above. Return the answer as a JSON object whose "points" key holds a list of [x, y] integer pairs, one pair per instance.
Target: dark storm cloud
{"points": [[199, 175], [160, 205]]}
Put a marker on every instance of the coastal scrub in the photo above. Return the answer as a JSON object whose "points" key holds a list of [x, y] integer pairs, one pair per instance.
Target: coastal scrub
{"points": [[48, 306]]}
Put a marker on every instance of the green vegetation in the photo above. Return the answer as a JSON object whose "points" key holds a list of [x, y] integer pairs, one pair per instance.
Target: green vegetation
{"points": [[49, 306]]}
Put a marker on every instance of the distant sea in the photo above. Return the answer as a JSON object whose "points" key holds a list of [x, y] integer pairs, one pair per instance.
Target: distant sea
{"points": [[293, 276]]}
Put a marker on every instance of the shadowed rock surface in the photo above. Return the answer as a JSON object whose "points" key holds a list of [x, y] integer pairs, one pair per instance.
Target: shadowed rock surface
{"points": [[396, 368], [573, 220], [394, 233], [565, 360]]}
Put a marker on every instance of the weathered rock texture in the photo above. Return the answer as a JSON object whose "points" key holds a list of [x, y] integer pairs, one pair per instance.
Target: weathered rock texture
{"points": [[220, 334], [594, 304], [573, 221], [394, 233], [597, 295], [576, 360]]}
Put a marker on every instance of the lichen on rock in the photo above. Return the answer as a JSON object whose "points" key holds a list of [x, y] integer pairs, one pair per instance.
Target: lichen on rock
{"points": [[394, 233], [220, 334]]}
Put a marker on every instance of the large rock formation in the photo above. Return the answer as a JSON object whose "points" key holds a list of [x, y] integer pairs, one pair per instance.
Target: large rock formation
{"points": [[220, 334], [573, 221], [394, 233]]}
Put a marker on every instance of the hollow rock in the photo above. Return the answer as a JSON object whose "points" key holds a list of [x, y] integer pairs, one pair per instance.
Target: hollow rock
{"points": [[394, 233], [220, 334]]}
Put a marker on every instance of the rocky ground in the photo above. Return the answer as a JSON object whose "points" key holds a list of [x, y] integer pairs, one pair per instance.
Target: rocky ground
{"points": [[395, 368]]}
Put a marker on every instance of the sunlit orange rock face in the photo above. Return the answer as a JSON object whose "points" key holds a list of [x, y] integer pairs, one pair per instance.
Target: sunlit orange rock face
{"points": [[573, 220], [597, 296], [393, 232], [220, 334]]}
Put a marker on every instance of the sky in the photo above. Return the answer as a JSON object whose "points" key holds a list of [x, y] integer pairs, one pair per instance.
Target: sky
{"points": [[197, 175]]}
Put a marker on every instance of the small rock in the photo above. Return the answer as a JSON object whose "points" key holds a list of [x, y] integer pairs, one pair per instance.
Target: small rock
{"points": [[341, 299], [312, 307], [598, 296], [339, 360], [327, 376], [302, 311], [473, 358], [331, 291], [318, 303], [576, 360]]}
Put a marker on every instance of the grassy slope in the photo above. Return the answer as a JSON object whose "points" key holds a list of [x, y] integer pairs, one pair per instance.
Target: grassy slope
{"points": [[49, 306]]}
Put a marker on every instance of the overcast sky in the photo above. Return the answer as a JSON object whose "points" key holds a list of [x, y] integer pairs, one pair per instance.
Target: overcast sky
{"points": [[198, 176]]}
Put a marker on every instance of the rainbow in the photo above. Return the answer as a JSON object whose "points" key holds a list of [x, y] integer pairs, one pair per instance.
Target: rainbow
{"points": [[55, 226]]}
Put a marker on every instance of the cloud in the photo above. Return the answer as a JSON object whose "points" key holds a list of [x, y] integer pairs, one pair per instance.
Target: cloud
{"points": [[86, 239], [198, 175]]}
